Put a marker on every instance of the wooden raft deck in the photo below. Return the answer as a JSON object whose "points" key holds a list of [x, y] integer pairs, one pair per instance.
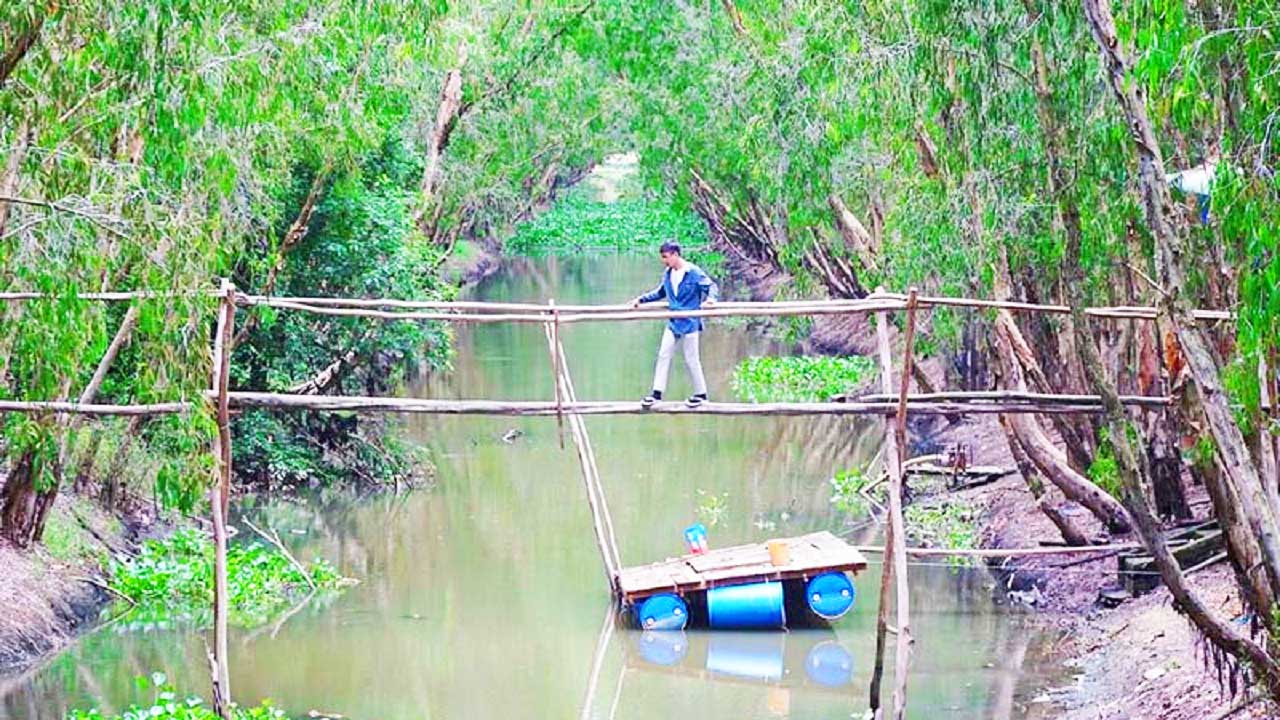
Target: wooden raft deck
{"points": [[810, 555]]}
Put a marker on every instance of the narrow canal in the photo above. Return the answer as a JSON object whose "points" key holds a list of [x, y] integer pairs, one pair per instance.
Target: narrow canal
{"points": [[483, 597]]}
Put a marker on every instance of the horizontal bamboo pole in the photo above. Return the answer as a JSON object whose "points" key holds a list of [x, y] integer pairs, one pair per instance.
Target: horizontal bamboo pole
{"points": [[1005, 552], [1044, 404], [1114, 311], [487, 306], [119, 296], [367, 404], [71, 408], [617, 312], [1015, 396]]}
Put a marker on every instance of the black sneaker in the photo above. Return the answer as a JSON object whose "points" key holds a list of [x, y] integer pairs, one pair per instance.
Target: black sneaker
{"points": [[650, 399], [696, 401]]}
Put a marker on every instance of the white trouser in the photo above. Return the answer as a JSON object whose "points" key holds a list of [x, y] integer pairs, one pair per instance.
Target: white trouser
{"points": [[688, 343]]}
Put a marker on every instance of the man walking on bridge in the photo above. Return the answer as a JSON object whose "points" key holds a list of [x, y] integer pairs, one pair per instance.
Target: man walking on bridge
{"points": [[685, 287]]}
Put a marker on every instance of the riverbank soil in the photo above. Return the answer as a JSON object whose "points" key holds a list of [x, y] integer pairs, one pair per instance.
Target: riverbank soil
{"points": [[54, 591], [1141, 660]]}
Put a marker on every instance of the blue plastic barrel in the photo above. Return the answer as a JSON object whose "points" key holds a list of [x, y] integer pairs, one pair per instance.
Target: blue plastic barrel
{"points": [[664, 647], [829, 663], [830, 595], [663, 612], [756, 656], [758, 605]]}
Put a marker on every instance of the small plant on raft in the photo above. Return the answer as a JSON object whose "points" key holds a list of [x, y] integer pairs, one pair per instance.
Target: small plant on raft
{"points": [[166, 704], [711, 507], [799, 378], [172, 579]]}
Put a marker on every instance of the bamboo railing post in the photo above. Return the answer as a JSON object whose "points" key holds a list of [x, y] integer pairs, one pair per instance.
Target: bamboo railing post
{"points": [[590, 476], [904, 638], [557, 360], [895, 543], [219, 497], [595, 469]]}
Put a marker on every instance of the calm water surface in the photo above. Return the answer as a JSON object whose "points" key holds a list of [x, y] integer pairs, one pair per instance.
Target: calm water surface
{"points": [[484, 597]]}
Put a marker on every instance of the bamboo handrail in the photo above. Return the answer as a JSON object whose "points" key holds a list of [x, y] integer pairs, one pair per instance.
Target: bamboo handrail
{"points": [[74, 408], [922, 404], [482, 311]]}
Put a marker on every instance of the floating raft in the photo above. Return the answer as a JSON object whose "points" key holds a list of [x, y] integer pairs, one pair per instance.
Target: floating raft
{"points": [[810, 555]]}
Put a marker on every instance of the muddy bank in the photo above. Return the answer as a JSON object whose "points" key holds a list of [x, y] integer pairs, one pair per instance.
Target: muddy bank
{"points": [[53, 592]]}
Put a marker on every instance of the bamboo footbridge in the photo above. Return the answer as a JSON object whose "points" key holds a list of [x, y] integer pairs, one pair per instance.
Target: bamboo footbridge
{"points": [[811, 554]]}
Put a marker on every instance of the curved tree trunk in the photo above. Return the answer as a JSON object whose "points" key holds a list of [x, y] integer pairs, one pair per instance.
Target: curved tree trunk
{"points": [[1070, 533], [1047, 458]]}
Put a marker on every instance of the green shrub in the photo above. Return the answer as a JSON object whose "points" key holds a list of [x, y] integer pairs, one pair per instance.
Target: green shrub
{"points": [[173, 579], [951, 526], [799, 378], [846, 491], [167, 705]]}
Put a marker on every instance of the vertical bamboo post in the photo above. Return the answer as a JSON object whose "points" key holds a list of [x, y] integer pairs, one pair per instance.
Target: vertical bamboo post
{"points": [[903, 659], [895, 558], [572, 396], [219, 497], [590, 476], [557, 368]]}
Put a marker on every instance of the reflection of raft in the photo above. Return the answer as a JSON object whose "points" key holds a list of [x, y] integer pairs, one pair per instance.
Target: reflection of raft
{"points": [[739, 586], [810, 659]]}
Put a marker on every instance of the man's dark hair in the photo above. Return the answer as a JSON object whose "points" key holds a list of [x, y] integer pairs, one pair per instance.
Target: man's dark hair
{"points": [[670, 247]]}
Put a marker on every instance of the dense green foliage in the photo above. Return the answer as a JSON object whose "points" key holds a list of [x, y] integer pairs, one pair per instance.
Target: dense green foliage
{"points": [[167, 704], [172, 579], [800, 378], [359, 244]]}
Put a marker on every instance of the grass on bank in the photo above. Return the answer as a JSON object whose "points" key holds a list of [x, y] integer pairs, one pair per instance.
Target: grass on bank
{"points": [[172, 579], [800, 378]]}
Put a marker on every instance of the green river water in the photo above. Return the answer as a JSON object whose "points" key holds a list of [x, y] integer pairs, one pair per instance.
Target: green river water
{"points": [[484, 598]]}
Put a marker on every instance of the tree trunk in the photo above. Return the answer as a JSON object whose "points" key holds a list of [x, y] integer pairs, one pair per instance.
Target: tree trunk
{"points": [[24, 508], [1165, 458], [854, 233], [1047, 458], [1168, 231], [447, 113]]}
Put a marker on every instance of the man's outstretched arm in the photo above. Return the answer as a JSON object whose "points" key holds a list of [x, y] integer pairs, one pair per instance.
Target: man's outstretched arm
{"points": [[656, 294]]}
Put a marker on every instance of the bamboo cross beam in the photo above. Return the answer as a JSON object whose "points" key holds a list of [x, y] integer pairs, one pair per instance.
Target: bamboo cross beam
{"points": [[945, 403], [571, 407], [42, 407], [480, 311]]}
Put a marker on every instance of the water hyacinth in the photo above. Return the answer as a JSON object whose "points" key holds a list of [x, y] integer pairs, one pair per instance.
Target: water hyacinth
{"points": [[799, 378], [166, 705], [173, 579]]}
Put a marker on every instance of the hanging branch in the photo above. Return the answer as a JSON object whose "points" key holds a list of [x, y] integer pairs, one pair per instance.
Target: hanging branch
{"points": [[292, 236]]}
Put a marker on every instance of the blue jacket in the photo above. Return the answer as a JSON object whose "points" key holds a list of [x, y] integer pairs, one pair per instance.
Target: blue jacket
{"points": [[695, 288]]}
